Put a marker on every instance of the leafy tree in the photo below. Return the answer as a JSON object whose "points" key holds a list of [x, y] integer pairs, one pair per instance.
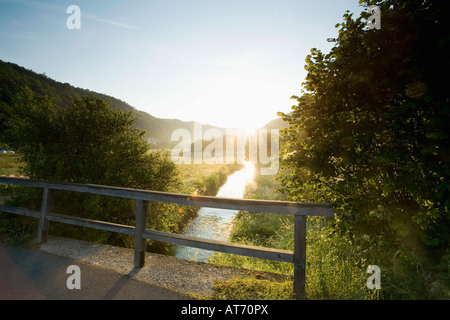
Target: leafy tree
{"points": [[89, 142], [370, 131]]}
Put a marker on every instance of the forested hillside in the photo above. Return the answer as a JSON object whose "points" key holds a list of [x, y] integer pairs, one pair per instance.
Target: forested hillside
{"points": [[15, 79]]}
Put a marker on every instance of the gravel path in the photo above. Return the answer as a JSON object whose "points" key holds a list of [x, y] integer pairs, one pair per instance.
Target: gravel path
{"points": [[31, 274], [184, 276]]}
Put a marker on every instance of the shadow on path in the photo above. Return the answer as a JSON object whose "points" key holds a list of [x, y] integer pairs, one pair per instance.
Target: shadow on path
{"points": [[30, 274]]}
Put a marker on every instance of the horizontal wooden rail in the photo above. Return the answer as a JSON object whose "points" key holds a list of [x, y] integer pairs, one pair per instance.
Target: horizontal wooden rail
{"points": [[141, 233], [281, 207], [75, 221], [220, 246], [20, 211], [155, 235]]}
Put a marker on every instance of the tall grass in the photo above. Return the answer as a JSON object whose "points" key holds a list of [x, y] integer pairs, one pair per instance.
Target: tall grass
{"points": [[202, 179], [10, 164], [336, 268], [333, 270]]}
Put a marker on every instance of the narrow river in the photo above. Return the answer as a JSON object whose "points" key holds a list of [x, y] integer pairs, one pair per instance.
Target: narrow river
{"points": [[212, 223]]}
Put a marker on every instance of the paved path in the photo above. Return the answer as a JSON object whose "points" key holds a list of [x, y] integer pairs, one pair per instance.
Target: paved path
{"points": [[32, 274]]}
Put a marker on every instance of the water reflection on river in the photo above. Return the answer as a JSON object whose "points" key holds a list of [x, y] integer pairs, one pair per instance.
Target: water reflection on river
{"points": [[212, 223]]}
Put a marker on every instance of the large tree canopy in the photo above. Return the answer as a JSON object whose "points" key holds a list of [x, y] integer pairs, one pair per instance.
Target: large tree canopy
{"points": [[89, 142], [370, 131]]}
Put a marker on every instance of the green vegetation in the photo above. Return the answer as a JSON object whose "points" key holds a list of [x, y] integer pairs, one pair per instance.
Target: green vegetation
{"points": [[260, 229], [360, 139], [370, 135], [10, 164], [336, 266], [69, 134], [15, 80], [200, 179], [204, 179], [87, 142], [250, 289], [90, 142]]}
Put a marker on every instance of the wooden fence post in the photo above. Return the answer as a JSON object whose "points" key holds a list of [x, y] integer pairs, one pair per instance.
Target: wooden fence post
{"points": [[141, 233], [47, 201], [140, 225], [299, 257]]}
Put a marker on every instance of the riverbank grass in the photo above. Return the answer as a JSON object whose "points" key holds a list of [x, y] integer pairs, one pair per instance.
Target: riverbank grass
{"points": [[251, 289], [202, 179], [336, 268], [10, 164], [333, 270]]}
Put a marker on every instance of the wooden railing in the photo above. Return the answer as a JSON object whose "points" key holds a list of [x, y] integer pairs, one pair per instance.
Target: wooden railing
{"points": [[141, 233]]}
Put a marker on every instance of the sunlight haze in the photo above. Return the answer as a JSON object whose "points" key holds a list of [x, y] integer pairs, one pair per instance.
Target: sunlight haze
{"points": [[224, 63]]}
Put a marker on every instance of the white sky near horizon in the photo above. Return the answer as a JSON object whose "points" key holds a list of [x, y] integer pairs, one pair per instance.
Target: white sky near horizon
{"points": [[227, 63]]}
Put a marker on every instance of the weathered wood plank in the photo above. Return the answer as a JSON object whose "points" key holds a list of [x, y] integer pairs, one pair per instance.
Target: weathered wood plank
{"points": [[140, 225], [300, 210], [299, 257], [89, 223], [20, 211], [47, 201], [227, 247], [280, 207], [220, 246]]}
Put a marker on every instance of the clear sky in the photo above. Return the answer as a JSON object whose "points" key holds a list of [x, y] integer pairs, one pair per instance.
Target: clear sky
{"points": [[230, 63]]}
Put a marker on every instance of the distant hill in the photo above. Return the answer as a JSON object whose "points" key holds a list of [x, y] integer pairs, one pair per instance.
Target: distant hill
{"points": [[277, 123], [15, 79]]}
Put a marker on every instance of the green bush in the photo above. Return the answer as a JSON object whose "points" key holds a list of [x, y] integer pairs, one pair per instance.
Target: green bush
{"points": [[89, 143], [370, 135]]}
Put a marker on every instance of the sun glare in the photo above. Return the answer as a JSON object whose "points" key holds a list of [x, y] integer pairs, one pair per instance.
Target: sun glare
{"points": [[249, 171]]}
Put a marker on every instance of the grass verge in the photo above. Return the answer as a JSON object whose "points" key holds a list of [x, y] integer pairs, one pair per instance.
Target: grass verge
{"points": [[336, 268]]}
